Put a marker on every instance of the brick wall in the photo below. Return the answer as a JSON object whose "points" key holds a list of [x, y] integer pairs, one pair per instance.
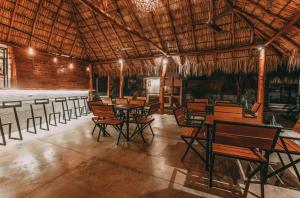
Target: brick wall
{"points": [[40, 72]]}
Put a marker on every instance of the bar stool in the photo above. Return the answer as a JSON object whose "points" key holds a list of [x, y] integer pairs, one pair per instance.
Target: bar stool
{"points": [[54, 113], [74, 99], [14, 105], [38, 102], [85, 110], [2, 131], [65, 108]]}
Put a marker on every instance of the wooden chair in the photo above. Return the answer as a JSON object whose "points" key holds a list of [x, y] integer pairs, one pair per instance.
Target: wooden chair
{"points": [[108, 117], [228, 111], [106, 100], [144, 121], [121, 101], [94, 118], [196, 109], [128, 97], [288, 145], [220, 102], [252, 113], [190, 133], [205, 100], [244, 142], [142, 98]]}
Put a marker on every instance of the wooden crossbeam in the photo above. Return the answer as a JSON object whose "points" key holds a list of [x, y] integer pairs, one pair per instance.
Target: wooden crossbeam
{"points": [[172, 24], [156, 30], [40, 5], [54, 22], [12, 20], [101, 12], [192, 23], [284, 29], [187, 53]]}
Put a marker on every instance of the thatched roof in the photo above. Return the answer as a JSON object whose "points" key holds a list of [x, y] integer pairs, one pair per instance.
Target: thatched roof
{"points": [[102, 31]]}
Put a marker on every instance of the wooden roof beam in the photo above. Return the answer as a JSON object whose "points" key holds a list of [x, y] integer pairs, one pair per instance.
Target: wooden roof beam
{"points": [[54, 22], [86, 25], [284, 29], [172, 24], [189, 53], [12, 20], [101, 12], [156, 30], [192, 21], [262, 8], [35, 20]]}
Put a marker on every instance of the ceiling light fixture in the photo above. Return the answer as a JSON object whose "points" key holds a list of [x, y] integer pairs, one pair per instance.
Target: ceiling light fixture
{"points": [[30, 51]]}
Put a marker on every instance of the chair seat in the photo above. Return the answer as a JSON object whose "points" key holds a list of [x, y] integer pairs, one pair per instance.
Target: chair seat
{"points": [[292, 147], [142, 120], [238, 152], [189, 132], [110, 121], [197, 113]]}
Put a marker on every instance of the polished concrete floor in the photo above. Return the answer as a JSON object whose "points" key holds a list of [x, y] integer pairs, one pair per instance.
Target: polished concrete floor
{"points": [[67, 161]]}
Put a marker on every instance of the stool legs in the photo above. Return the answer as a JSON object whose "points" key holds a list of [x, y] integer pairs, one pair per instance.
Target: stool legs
{"points": [[18, 126], [33, 121], [54, 115], [2, 134]]}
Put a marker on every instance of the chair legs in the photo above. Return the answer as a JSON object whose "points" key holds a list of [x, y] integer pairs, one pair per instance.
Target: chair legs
{"points": [[140, 128], [211, 169]]}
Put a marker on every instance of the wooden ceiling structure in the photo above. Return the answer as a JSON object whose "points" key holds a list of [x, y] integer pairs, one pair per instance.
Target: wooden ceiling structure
{"points": [[103, 31]]}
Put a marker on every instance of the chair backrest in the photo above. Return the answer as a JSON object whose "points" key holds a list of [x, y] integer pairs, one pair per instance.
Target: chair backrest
{"points": [[197, 107], [222, 101], [228, 111], [137, 102], [205, 100], [154, 108], [128, 97], [141, 98], [246, 135], [179, 114], [106, 100], [41, 101], [121, 101], [296, 127], [104, 111], [255, 107], [11, 104]]}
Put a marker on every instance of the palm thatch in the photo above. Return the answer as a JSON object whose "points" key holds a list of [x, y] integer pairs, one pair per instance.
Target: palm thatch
{"points": [[101, 32]]}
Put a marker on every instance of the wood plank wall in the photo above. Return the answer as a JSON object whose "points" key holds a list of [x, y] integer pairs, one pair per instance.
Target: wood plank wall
{"points": [[40, 72]]}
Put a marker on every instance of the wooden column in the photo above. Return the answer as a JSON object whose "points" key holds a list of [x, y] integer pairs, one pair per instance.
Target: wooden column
{"points": [[108, 86], [261, 84], [121, 79], [90, 81], [172, 91], [162, 88], [14, 81]]}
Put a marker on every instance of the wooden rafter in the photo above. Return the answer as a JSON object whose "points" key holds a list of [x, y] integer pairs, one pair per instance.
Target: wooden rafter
{"points": [[187, 53], [284, 29], [156, 31], [88, 27], [118, 38], [76, 37], [54, 22], [79, 32], [124, 22], [138, 22], [192, 23], [275, 16], [252, 17], [211, 8], [105, 37], [12, 20], [101, 12], [65, 34], [40, 5], [172, 24]]}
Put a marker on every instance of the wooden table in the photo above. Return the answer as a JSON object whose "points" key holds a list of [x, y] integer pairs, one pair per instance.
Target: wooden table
{"points": [[127, 108]]}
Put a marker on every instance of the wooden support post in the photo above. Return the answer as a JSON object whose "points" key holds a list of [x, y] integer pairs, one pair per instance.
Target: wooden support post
{"points": [[172, 91], [90, 70], [162, 88], [14, 81], [261, 84], [108, 86], [121, 79]]}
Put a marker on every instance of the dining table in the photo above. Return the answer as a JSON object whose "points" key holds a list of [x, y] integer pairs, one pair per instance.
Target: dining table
{"points": [[127, 108]]}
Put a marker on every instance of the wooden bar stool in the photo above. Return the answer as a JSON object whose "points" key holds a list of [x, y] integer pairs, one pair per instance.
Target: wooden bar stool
{"points": [[42, 102], [2, 131], [14, 105]]}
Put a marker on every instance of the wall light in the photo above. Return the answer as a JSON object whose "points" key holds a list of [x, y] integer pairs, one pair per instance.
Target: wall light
{"points": [[260, 48], [121, 60], [71, 66], [30, 51], [55, 60], [87, 69]]}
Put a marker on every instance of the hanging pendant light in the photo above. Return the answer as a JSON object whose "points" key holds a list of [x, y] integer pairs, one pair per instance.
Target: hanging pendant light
{"points": [[146, 5]]}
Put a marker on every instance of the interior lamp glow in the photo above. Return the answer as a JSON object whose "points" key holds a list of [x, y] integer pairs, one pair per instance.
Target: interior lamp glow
{"points": [[71, 66], [260, 48], [55, 60], [121, 60], [87, 69], [165, 61], [30, 51]]}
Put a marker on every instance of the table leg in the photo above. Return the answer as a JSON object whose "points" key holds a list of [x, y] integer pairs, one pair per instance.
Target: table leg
{"points": [[127, 124]]}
